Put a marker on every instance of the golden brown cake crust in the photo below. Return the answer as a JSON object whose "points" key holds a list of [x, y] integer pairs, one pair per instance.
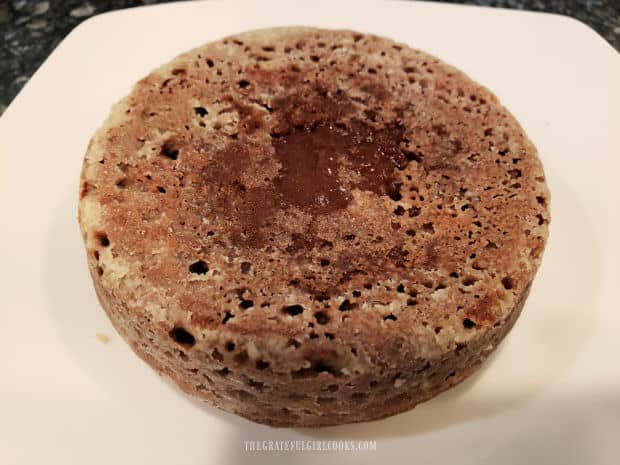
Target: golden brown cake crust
{"points": [[311, 227]]}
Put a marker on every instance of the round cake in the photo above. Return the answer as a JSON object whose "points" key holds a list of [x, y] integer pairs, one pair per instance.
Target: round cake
{"points": [[309, 227]]}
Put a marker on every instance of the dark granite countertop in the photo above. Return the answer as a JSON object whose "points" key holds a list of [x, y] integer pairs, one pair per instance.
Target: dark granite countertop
{"points": [[30, 29]]}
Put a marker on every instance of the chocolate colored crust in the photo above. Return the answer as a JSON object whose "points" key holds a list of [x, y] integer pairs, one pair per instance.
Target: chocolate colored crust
{"points": [[309, 227]]}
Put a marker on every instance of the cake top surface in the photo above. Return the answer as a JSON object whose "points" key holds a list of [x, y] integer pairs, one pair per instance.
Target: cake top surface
{"points": [[315, 184]]}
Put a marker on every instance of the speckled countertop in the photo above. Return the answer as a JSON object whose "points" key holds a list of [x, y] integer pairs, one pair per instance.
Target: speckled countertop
{"points": [[30, 29]]}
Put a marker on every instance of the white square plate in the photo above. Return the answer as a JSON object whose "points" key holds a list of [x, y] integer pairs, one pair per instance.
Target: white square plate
{"points": [[551, 394]]}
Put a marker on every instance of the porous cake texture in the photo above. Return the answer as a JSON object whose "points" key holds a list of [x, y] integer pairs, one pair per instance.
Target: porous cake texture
{"points": [[309, 227]]}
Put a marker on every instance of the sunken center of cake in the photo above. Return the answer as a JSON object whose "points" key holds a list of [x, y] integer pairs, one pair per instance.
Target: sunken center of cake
{"points": [[322, 164], [318, 156]]}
